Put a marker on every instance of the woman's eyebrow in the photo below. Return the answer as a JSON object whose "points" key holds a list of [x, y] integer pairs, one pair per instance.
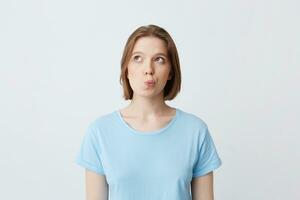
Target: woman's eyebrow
{"points": [[137, 52], [161, 54], [157, 54]]}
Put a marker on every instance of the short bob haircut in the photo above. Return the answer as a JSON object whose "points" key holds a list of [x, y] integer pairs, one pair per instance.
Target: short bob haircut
{"points": [[173, 85]]}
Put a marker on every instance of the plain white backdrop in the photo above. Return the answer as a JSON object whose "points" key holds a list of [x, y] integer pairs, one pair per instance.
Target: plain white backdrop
{"points": [[60, 67]]}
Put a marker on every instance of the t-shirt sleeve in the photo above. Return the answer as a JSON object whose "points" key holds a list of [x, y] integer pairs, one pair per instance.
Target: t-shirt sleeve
{"points": [[207, 158], [89, 152]]}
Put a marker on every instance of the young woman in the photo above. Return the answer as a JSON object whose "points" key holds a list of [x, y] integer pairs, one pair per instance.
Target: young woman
{"points": [[149, 150]]}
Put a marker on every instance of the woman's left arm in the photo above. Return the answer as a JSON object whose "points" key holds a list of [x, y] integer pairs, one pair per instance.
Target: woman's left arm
{"points": [[202, 187]]}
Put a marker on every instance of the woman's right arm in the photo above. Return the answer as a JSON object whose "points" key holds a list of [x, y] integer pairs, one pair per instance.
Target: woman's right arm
{"points": [[96, 186]]}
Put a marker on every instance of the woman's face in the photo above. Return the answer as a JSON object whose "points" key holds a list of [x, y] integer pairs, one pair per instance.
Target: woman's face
{"points": [[149, 61]]}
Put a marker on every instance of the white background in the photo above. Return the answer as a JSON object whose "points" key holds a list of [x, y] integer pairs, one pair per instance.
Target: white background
{"points": [[60, 67]]}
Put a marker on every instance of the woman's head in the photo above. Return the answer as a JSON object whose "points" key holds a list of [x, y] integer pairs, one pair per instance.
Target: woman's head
{"points": [[143, 64]]}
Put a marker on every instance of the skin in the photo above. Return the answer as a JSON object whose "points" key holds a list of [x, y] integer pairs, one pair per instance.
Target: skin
{"points": [[202, 187], [96, 186], [147, 110]]}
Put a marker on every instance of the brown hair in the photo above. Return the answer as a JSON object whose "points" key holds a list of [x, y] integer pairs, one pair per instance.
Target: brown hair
{"points": [[172, 86]]}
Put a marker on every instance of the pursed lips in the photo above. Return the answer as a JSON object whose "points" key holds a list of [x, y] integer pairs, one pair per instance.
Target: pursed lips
{"points": [[150, 82]]}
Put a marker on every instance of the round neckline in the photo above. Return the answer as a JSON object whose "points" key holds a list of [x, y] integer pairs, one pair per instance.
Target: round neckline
{"points": [[147, 133]]}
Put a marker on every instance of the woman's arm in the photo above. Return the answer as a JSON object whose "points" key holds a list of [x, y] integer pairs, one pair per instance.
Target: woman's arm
{"points": [[96, 186], [202, 187]]}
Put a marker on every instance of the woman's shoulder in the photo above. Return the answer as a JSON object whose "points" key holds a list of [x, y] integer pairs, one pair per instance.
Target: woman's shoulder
{"points": [[192, 118], [105, 118]]}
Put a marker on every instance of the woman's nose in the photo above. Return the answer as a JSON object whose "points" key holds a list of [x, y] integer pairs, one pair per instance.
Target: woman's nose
{"points": [[148, 68]]}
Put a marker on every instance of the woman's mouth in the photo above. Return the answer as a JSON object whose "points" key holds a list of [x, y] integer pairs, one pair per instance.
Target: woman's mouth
{"points": [[150, 83]]}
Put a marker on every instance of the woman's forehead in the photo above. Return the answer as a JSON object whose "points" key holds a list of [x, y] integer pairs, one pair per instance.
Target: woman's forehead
{"points": [[152, 45]]}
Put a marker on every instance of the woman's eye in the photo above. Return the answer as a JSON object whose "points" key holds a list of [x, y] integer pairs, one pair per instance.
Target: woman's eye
{"points": [[137, 58], [160, 59]]}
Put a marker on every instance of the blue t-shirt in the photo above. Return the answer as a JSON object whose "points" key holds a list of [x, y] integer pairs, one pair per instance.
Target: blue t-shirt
{"points": [[153, 165]]}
